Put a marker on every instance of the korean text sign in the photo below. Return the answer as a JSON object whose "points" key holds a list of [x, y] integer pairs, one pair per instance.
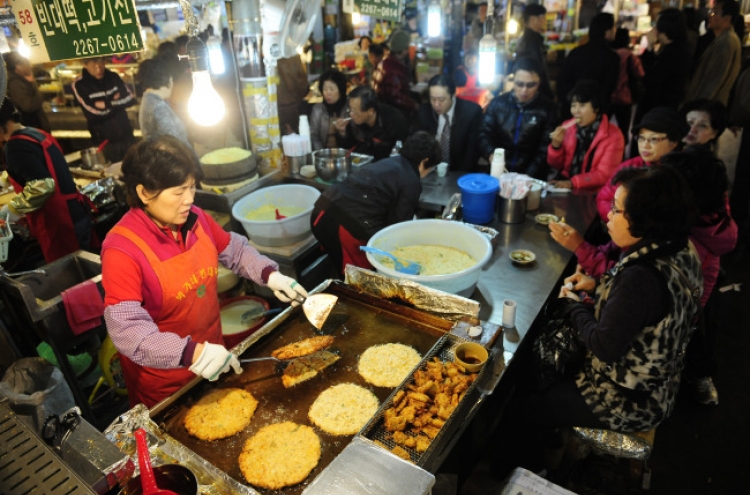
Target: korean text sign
{"points": [[69, 29], [389, 10]]}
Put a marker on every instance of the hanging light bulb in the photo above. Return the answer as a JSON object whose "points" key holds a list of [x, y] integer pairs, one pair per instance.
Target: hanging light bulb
{"points": [[205, 106], [215, 55], [512, 26], [22, 49], [434, 20], [487, 59], [356, 18]]}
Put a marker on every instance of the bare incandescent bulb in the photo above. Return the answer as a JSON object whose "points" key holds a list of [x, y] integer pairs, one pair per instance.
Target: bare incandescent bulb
{"points": [[205, 106]]}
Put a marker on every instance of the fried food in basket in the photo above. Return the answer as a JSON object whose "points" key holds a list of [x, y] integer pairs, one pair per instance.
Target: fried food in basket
{"points": [[303, 347], [220, 414], [419, 412], [343, 409], [307, 367], [280, 455], [387, 365]]}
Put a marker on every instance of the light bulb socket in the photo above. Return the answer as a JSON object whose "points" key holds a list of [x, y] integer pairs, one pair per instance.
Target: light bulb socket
{"points": [[197, 55]]}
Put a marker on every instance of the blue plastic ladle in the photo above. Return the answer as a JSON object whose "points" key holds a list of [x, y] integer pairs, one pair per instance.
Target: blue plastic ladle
{"points": [[403, 266]]}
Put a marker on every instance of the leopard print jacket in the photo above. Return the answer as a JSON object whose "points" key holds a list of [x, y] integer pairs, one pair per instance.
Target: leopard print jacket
{"points": [[638, 391]]}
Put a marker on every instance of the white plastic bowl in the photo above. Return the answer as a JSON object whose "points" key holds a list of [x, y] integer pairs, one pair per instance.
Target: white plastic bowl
{"points": [[277, 232], [441, 233]]}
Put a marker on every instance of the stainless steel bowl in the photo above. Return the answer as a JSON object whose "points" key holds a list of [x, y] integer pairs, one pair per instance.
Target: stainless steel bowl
{"points": [[332, 163]]}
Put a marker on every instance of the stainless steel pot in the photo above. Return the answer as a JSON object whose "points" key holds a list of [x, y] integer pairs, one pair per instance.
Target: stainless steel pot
{"points": [[92, 158], [332, 163]]}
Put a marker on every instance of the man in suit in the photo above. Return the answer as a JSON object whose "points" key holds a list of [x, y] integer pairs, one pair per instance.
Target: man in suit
{"points": [[454, 122]]}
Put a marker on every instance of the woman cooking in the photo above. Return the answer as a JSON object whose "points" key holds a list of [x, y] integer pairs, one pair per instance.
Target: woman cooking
{"points": [[159, 267]]}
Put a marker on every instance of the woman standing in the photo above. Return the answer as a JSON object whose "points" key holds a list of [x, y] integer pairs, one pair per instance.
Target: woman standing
{"points": [[159, 267], [155, 116], [587, 148], [332, 85]]}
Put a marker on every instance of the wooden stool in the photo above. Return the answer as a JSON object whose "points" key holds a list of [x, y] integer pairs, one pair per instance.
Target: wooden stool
{"points": [[635, 446]]}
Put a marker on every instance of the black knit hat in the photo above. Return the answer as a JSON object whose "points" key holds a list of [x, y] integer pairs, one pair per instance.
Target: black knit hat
{"points": [[666, 120]]}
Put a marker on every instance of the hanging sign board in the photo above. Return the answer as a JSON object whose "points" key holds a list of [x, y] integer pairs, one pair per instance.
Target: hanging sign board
{"points": [[69, 29], [388, 10]]}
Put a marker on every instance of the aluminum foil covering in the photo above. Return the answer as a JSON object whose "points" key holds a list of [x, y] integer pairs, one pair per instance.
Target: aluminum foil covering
{"points": [[363, 468], [448, 306], [626, 445], [165, 450]]}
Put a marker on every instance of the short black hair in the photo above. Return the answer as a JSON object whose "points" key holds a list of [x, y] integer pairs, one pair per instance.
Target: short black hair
{"points": [[8, 112], [12, 59], [659, 205], [337, 78], [154, 73], [587, 91], [622, 38], [705, 174], [376, 49], [671, 23], [167, 47], [361, 38], [533, 10], [717, 113], [158, 163], [729, 8], [419, 146], [600, 24], [368, 98], [444, 81], [529, 65]]}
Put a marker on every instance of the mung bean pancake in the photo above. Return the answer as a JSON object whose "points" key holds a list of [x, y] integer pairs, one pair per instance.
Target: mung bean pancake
{"points": [[303, 347], [387, 365], [343, 409], [220, 414], [280, 455], [307, 367]]}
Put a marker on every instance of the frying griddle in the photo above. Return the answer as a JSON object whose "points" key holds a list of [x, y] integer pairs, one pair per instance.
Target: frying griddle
{"points": [[358, 321]]}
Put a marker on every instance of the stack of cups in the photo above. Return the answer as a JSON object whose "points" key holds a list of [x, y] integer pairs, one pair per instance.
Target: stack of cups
{"points": [[497, 166], [304, 130]]}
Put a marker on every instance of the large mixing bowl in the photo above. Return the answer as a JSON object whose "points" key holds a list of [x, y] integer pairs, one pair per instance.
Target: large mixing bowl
{"points": [[332, 163], [287, 198], [440, 233]]}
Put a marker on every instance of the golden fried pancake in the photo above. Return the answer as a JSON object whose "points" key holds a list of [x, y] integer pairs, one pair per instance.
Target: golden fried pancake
{"points": [[387, 365], [307, 367], [220, 414], [343, 409], [280, 455], [303, 347]]}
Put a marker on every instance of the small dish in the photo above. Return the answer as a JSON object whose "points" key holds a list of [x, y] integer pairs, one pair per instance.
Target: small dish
{"points": [[307, 171], [471, 356], [546, 218], [522, 257]]}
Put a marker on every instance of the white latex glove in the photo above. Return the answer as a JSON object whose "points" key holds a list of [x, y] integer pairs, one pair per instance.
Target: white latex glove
{"points": [[286, 289], [213, 361]]}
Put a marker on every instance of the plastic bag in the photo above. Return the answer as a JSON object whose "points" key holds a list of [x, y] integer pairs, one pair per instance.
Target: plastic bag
{"points": [[35, 390]]}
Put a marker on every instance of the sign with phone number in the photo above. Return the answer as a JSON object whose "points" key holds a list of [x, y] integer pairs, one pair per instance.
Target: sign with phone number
{"points": [[389, 10], [69, 29]]}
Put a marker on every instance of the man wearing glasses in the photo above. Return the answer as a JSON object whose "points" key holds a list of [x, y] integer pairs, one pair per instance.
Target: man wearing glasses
{"points": [[719, 65], [520, 122], [454, 122]]}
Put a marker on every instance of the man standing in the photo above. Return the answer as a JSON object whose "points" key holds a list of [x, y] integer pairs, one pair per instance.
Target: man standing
{"points": [[373, 128], [454, 122], [104, 97], [390, 79], [719, 65], [531, 42], [520, 122], [24, 92]]}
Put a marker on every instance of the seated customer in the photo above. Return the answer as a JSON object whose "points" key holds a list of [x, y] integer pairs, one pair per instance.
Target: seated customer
{"points": [[155, 116], [587, 148], [520, 122], [454, 123], [332, 85], [634, 332], [373, 128], [707, 120], [377, 195]]}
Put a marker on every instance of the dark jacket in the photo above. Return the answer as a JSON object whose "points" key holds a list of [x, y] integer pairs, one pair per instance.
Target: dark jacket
{"points": [[467, 117], [110, 122], [26, 97], [531, 45], [521, 130], [375, 196], [390, 126], [666, 75], [593, 61]]}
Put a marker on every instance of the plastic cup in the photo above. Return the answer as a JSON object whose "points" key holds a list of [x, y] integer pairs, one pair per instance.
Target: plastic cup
{"points": [[442, 169]]}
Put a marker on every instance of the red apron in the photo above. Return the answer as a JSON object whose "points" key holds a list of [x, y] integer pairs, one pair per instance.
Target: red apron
{"points": [[52, 225], [190, 307]]}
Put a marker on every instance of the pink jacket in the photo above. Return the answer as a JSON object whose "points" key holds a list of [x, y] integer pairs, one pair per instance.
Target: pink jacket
{"points": [[607, 192], [606, 148]]}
